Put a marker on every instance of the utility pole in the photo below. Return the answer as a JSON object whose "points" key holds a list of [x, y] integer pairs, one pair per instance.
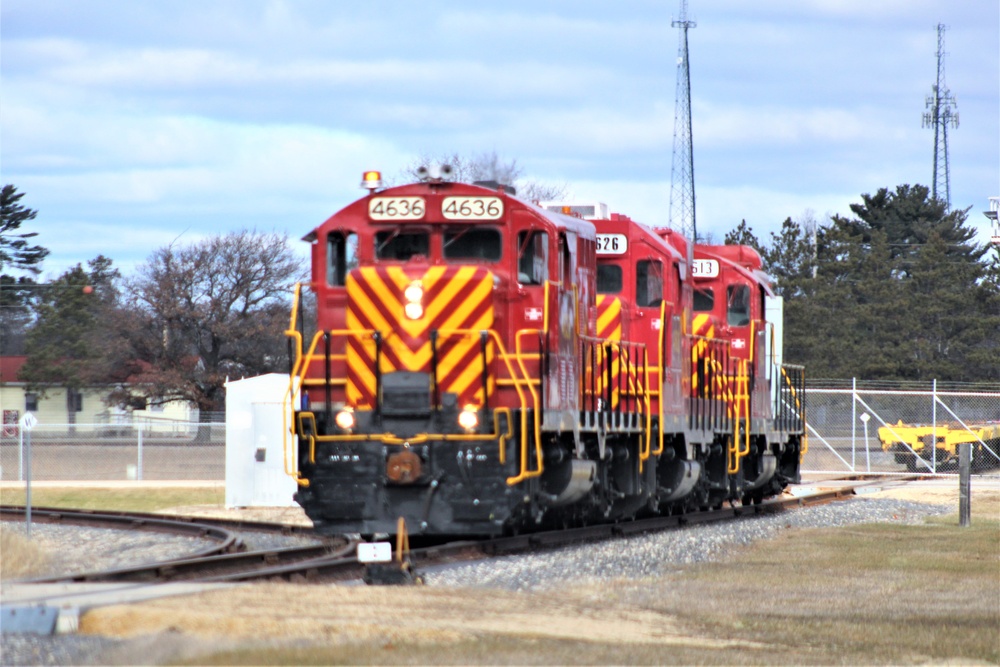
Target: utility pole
{"points": [[939, 116], [682, 170]]}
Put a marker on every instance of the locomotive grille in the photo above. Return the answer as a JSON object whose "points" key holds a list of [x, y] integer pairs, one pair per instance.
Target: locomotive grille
{"points": [[456, 305]]}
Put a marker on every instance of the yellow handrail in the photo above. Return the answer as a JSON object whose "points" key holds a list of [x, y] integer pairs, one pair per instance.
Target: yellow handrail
{"points": [[537, 417], [740, 408]]}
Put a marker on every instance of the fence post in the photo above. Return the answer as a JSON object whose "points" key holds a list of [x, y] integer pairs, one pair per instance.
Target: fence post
{"points": [[934, 426], [868, 460], [138, 472], [27, 489], [854, 420], [20, 453], [964, 484]]}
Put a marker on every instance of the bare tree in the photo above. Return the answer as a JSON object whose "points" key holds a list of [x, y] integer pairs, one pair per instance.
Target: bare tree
{"points": [[487, 166], [204, 313]]}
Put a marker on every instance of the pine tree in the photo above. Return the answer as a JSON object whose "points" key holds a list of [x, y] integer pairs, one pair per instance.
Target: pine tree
{"points": [[65, 347]]}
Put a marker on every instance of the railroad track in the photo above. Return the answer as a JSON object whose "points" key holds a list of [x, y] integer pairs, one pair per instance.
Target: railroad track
{"points": [[336, 561]]}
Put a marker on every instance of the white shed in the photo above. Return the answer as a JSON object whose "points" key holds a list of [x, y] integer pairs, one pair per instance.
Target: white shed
{"points": [[257, 419]]}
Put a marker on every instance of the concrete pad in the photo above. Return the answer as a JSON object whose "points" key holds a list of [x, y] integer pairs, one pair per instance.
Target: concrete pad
{"points": [[66, 601]]}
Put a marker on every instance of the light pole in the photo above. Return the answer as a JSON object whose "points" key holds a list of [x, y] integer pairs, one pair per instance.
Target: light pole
{"points": [[864, 419]]}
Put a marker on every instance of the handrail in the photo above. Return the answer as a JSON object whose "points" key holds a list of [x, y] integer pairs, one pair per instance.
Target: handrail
{"points": [[661, 369], [512, 363], [519, 356], [291, 393], [740, 411], [793, 390], [646, 449], [537, 416]]}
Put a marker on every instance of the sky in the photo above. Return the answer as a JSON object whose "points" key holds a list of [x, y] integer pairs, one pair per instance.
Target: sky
{"points": [[132, 125]]}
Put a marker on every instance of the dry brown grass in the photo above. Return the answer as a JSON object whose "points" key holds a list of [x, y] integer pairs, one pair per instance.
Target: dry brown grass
{"points": [[879, 594], [874, 594], [19, 556]]}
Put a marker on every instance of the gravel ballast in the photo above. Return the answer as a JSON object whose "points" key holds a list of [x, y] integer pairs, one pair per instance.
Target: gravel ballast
{"points": [[644, 556]]}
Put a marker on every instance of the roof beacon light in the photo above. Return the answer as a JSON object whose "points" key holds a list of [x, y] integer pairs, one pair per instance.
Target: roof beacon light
{"points": [[371, 180]]}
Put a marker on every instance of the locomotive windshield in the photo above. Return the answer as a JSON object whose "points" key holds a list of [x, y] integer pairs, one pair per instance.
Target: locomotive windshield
{"points": [[472, 243], [704, 300], [609, 278], [341, 256], [738, 310], [648, 283], [532, 257], [400, 245]]}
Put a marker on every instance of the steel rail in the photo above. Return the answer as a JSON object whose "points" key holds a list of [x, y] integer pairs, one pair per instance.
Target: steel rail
{"points": [[228, 524], [225, 540], [318, 564], [202, 569], [343, 568]]}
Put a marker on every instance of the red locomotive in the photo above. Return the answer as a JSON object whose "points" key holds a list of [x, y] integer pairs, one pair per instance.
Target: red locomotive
{"points": [[483, 365]]}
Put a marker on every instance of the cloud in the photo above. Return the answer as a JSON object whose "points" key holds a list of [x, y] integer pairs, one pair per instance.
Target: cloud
{"points": [[184, 114]]}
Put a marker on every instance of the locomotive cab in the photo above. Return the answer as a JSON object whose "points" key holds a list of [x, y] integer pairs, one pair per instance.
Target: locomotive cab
{"points": [[453, 324]]}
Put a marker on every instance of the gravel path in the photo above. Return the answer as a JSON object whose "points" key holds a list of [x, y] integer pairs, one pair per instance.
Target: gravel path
{"points": [[75, 549], [631, 558]]}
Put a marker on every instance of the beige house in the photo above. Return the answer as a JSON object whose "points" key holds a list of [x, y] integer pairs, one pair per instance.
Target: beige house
{"points": [[86, 408]]}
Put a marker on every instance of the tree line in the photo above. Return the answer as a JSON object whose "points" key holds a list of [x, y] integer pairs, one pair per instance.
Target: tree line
{"points": [[898, 291]]}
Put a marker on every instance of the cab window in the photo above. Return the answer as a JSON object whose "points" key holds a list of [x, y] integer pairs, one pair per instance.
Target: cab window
{"points": [[472, 243], [738, 305], [704, 300], [532, 257], [609, 278], [341, 256], [400, 245], [648, 283]]}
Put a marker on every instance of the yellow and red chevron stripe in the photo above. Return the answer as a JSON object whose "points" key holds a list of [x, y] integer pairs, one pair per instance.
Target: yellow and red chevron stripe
{"points": [[709, 362], [609, 327], [703, 328], [454, 298]]}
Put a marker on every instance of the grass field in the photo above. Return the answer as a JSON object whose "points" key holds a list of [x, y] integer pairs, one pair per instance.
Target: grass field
{"points": [[870, 594], [139, 499]]}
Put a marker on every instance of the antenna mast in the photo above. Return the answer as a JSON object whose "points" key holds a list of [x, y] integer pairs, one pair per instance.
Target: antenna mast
{"points": [[682, 169], [940, 116]]}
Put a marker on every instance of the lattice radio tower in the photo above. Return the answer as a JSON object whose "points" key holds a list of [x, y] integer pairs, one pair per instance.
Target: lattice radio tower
{"points": [[939, 116], [682, 169]]}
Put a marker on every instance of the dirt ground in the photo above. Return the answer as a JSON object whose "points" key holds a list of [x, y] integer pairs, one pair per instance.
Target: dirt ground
{"points": [[350, 614]]}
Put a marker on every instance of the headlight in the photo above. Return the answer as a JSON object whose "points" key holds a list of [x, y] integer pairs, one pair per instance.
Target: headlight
{"points": [[468, 418], [345, 419], [414, 294]]}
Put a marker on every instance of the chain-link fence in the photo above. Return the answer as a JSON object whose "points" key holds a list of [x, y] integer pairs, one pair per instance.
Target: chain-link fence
{"points": [[882, 427], [164, 450], [853, 426]]}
